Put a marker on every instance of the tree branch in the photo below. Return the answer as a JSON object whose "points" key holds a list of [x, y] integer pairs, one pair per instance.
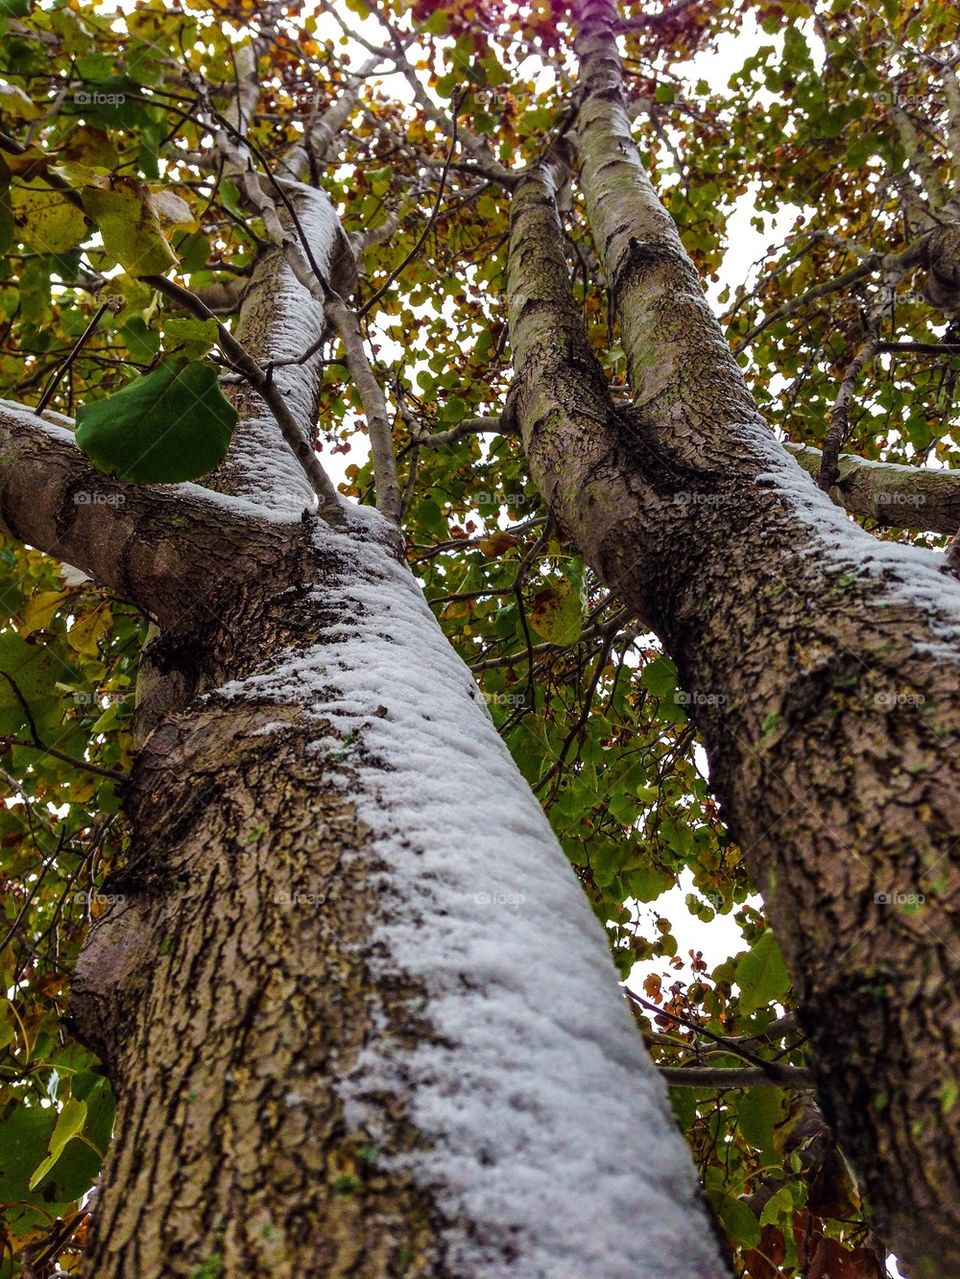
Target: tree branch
{"points": [[157, 546], [896, 496], [772, 1076], [837, 431], [330, 507]]}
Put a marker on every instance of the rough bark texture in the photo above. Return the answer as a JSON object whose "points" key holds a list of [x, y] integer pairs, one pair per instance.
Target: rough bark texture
{"points": [[295, 1095], [163, 548], [894, 496], [824, 665], [230, 991], [338, 1048]]}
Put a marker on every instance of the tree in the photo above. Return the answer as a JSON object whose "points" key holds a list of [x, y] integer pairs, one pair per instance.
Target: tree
{"points": [[351, 1002]]}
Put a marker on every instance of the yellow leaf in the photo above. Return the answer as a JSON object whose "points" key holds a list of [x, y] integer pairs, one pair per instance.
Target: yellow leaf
{"points": [[498, 542], [89, 146], [14, 102], [84, 791], [46, 219], [29, 163], [557, 614], [86, 630], [128, 222], [39, 611]]}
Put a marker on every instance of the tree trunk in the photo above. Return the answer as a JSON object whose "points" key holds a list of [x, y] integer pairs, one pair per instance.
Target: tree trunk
{"points": [[356, 1009], [822, 665], [355, 1006]]}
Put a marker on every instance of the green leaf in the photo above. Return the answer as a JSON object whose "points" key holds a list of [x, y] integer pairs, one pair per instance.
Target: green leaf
{"points": [[660, 676], [128, 222], [229, 194], [647, 883], [740, 1221], [780, 1205], [436, 24], [193, 250], [170, 425], [69, 1123], [24, 1137], [35, 671], [142, 343], [759, 1110], [198, 334], [762, 975], [78, 1166]]}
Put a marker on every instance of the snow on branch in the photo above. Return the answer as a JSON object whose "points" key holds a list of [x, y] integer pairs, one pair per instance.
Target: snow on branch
{"points": [[157, 546], [910, 497]]}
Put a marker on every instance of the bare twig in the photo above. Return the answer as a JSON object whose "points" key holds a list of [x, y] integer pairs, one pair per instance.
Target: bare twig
{"points": [[55, 381], [837, 430], [113, 773], [772, 1076]]}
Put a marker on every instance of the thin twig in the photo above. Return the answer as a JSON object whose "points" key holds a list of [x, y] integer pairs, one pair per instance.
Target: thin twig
{"points": [[55, 381], [113, 773], [836, 435]]}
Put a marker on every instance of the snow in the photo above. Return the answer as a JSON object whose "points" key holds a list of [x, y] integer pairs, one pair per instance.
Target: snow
{"points": [[909, 575], [58, 426], [283, 510], [548, 1125]]}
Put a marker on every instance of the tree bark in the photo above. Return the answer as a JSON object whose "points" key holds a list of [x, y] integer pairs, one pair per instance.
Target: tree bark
{"points": [[352, 1000], [825, 663], [355, 1007], [894, 496]]}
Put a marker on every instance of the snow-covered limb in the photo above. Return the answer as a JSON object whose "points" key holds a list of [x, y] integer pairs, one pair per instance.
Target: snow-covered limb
{"points": [[830, 658], [896, 496], [310, 257], [157, 546], [370, 921], [322, 131]]}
